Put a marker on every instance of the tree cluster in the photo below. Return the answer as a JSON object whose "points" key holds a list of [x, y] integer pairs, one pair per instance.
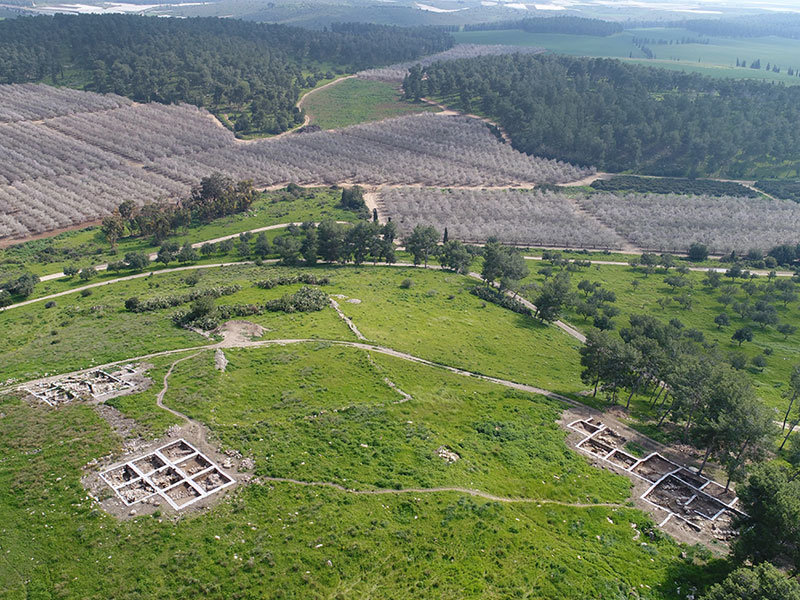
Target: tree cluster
{"points": [[254, 70], [788, 189], [215, 196], [713, 405], [21, 287], [622, 116]]}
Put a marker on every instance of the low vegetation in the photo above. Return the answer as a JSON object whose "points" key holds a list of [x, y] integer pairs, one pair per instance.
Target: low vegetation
{"points": [[658, 185]]}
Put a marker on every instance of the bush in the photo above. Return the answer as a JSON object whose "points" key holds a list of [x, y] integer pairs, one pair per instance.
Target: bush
{"points": [[136, 305], [406, 284], [307, 278], [492, 295], [86, 293], [698, 252], [50, 304]]}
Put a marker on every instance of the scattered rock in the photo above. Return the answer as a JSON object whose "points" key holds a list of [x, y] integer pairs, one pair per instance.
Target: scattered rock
{"points": [[354, 301], [247, 464], [448, 455], [220, 360]]}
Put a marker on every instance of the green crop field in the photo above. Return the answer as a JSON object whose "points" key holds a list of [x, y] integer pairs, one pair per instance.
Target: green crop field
{"points": [[715, 59], [354, 101]]}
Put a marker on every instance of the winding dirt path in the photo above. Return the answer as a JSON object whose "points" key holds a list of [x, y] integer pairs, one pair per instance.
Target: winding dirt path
{"points": [[347, 320], [162, 393], [152, 256], [437, 490]]}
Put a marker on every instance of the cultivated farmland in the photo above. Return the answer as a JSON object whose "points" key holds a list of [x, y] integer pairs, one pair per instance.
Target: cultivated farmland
{"points": [[29, 101], [537, 218], [426, 148], [86, 153], [672, 222]]}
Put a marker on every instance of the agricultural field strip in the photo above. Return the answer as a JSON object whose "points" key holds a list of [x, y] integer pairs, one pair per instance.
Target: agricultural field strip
{"points": [[632, 222], [149, 484], [536, 218], [670, 222], [36, 101], [676, 472], [418, 149]]}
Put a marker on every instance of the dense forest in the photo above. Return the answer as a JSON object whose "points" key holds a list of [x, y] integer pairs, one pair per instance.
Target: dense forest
{"points": [[567, 25], [621, 117], [250, 74]]}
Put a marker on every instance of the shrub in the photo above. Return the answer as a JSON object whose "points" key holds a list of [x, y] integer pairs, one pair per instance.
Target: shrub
{"points": [[406, 284], [492, 295], [307, 278]]}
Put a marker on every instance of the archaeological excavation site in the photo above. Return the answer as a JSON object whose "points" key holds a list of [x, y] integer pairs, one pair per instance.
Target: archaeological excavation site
{"points": [[678, 497]]}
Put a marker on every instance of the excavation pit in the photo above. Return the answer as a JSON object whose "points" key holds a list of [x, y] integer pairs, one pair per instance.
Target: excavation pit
{"points": [[182, 494], [192, 466], [165, 478], [706, 506], [622, 459], [586, 426], [136, 492], [717, 491], [609, 437], [210, 481], [120, 476], [148, 464], [684, 503], [176, 472], [691, 478], [95, 385], [597, 448], [175, 452], [654, 467]]}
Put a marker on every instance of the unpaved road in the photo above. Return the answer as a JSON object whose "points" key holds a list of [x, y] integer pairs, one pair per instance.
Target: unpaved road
{"points": [[438, 490]]}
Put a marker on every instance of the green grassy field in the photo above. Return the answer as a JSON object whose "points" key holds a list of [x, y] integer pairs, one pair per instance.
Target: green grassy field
{"points": [[305, 412], [356, 101], [437, 319], [715, 59]]}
